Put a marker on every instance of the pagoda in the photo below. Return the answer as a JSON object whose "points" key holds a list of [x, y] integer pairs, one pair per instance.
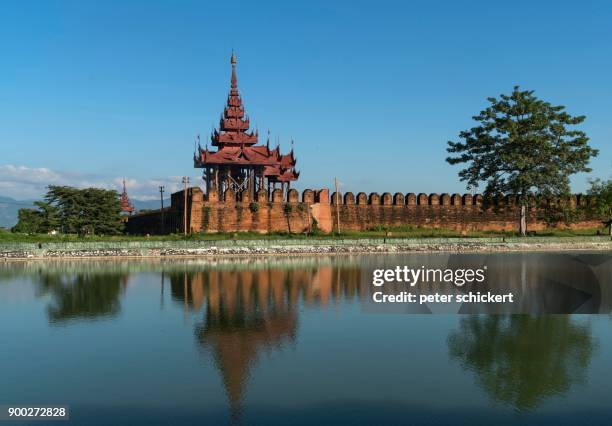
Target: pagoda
{"points": [[239, 163], [126, 204]]}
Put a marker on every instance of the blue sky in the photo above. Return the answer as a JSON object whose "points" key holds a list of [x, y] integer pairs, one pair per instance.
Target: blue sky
{"points": [[91, 92]]}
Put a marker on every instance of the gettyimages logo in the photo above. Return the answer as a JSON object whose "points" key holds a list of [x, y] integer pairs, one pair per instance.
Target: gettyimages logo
{"points": [[413, 277], [478, 283]]}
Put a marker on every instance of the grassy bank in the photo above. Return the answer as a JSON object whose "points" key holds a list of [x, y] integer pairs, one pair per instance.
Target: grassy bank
{"points": [[399, 232]]}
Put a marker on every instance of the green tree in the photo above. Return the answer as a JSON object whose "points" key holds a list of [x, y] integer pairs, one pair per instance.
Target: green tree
{"points": [[29, 221], [522, 146], [35, 221], [86, 211], [600, 203], [49, 217]]}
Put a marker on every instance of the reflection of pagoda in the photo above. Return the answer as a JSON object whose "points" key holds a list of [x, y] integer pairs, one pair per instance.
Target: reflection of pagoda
{"points": [[236, 342], [246, 312], [250, 310], [239, 163], [126, 205]]}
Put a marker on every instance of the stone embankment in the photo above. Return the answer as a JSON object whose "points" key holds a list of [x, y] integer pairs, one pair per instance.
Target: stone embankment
{"points": [[295, 247]]}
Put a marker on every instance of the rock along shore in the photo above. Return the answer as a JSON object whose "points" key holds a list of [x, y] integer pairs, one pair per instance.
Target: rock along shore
{"points": [[141, 249]]}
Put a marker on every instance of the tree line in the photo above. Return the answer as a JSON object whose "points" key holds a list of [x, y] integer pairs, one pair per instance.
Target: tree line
{"points": [[68, 210]]}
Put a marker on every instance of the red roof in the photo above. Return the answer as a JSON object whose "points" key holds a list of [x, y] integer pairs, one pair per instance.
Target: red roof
{"points": [[237, 146], [255, 155], [288, 160], [234, 123], [233, 138], [126, 205]]}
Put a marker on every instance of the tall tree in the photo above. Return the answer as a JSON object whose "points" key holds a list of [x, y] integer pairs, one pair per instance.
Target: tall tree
{"points": [[522, 146], [601, 200], [86, 211]]}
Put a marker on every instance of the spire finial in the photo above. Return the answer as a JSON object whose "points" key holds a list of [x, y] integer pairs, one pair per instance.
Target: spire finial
{"points": [[234, 79]]}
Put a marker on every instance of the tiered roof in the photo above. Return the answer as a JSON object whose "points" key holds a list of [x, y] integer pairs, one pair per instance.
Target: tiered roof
{"points": [[284, 170], [234, 123], [126, 205], [237, 146]]}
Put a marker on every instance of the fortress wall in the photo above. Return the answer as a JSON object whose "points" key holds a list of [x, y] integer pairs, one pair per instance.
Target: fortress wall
{"points": [[239, 217], [463, 218], [150, 222], [297, 214], [460, 212]]}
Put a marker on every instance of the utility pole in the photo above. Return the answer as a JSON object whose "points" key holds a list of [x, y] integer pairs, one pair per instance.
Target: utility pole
{"points": [[337, 206], [161, 195], [185, 182]]}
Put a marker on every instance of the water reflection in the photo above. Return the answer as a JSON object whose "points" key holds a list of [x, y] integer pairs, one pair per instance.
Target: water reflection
{"points": [[266, 288], [248, 307], [521, 360], [82, 295], [248, 312]]}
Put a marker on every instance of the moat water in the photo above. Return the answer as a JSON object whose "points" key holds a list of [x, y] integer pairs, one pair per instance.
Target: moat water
{"points": [[290, 340]]}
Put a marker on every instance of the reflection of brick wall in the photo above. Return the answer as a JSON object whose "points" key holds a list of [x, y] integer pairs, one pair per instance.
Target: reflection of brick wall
{"points": [[362, 212]]}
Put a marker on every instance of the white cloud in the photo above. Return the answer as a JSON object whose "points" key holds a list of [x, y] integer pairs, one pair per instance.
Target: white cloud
{"points": [[21, 182]]}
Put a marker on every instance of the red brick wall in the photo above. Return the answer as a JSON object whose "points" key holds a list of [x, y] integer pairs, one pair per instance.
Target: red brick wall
{"points": [[361, 212], [269, 217], [463, 213]]}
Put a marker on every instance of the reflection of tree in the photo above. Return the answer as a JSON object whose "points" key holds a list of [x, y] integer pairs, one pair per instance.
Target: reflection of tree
{"points": [[521, 360], [82, 295]]}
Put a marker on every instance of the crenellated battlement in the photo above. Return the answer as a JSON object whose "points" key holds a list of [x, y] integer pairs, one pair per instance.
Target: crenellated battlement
{"points": [[292, 211], [311, 196]]}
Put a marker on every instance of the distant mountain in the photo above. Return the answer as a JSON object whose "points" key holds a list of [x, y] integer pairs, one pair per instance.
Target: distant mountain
{"points": [[9, 208]]}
